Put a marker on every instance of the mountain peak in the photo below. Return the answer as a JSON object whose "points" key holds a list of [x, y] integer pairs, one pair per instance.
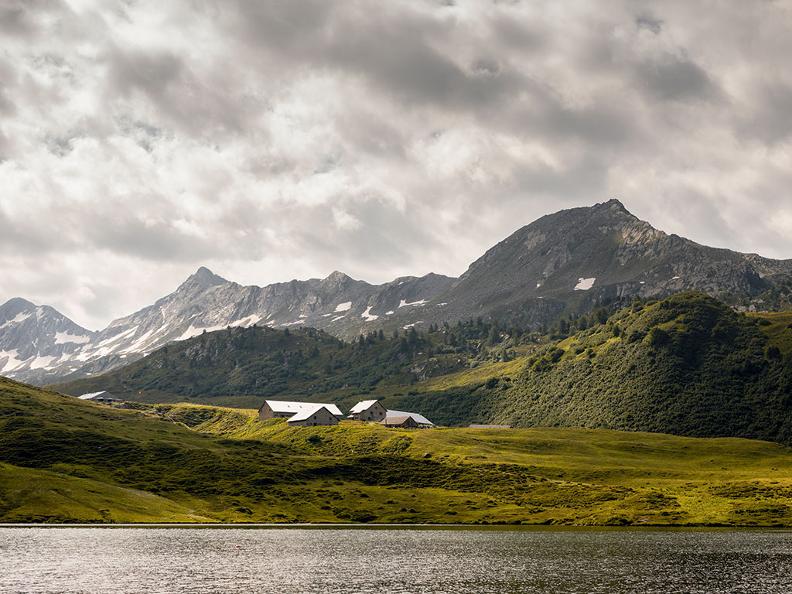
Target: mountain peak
{"points": [[337, 277], [18, 303], [615, 205], [204, 278]]}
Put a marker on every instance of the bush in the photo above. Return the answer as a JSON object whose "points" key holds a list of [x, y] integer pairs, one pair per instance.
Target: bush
{"points": [[659, 337]]}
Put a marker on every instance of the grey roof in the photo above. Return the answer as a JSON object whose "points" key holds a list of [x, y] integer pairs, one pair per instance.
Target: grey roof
{"points": [[420, 419], [304, 415], [283, 406], [396, 420], [361, 406]]}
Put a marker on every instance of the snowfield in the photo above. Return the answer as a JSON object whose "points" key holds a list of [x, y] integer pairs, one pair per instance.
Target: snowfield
{"points": [[584, 284], [403, 303], [66, 338]]}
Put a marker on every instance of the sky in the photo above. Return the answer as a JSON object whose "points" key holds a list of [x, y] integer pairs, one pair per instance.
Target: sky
{"points": [[271, 140]]}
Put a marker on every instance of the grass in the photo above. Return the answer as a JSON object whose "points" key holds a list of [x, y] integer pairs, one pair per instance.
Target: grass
{"points": [[30, 495], [469, 377], [64, 460], [777, 326]]}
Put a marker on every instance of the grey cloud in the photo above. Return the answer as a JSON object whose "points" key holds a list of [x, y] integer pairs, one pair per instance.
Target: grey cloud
{"points": [[295, 137], [768, 119], [16, 18], [675, 78], [649, 22]]}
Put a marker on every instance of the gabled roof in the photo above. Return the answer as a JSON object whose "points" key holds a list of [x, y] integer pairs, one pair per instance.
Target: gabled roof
{"points": [[397, 420], [306, 414], [362, 406], [282, 406], [420, 419]]}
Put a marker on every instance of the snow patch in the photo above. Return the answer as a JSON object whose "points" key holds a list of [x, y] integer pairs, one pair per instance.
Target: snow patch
{"points": [[345, 306], [420, 303], [335, 319], [20, 317], [118, 337], [139, 343], [12, 362], [191, 332], [676, 278], [42, 362], [389, 313], [294, 323], [246, 322], [367, 315], [66, 338], [584, 284], [408, 326]]}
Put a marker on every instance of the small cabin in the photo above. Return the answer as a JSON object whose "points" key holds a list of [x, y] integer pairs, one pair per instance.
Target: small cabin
{"points": [[281, 409], [403, 422], [395, 418], [368, 410], [318, 417]]}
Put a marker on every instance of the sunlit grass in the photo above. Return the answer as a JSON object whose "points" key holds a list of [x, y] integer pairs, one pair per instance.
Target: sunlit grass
{"points": [[67, 460]]}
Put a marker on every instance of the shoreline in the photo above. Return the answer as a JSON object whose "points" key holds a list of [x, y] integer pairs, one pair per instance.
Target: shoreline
{"points": [[374, 526]]}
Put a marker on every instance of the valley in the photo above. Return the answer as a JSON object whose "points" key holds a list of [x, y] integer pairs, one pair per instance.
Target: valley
{"points": [[63, 460], [628, 378]]}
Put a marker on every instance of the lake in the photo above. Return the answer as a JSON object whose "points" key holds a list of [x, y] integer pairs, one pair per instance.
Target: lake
{"points": [[282, 561]]}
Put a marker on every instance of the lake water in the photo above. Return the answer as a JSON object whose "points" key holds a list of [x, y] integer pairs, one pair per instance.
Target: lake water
{"points": [[283, 561]]}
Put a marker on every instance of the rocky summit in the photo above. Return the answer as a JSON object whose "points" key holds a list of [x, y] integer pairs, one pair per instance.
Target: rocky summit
{"points": [[565, 263]]}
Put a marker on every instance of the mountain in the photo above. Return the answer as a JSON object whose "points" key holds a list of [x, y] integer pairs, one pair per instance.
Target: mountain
{"points": [[686, 365], [566, 263], [206, 302], [36, 338], [242, 366], [574, 260]]}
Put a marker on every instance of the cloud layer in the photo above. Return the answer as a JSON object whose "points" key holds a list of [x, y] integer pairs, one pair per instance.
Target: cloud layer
{"points": [[282, 139]]}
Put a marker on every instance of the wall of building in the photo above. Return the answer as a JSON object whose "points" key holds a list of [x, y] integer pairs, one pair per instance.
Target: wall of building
{"points": [[321, 417]]}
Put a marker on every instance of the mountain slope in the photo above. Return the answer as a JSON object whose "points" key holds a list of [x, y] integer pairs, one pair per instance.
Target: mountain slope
{"points": [[686, 365], [207, 302], [576, 259], [569, 262], [36, 338], [242, 366]]}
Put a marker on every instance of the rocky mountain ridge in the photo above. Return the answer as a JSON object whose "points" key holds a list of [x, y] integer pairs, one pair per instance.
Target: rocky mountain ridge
{"points": [[563, 263]]}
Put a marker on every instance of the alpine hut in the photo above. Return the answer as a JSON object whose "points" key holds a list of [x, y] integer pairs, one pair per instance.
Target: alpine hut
{"points": [[368, 410]]}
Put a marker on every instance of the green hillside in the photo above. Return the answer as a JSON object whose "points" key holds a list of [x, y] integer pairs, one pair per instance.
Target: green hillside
{"points": [[687, 365], [242, 366], [63, 460]]}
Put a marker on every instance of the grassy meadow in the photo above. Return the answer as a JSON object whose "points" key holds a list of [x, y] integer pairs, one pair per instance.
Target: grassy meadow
{"points": [[64, 460]]}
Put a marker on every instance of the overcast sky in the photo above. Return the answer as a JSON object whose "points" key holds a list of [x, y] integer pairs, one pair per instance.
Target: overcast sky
{"points": [[275, 140]]}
